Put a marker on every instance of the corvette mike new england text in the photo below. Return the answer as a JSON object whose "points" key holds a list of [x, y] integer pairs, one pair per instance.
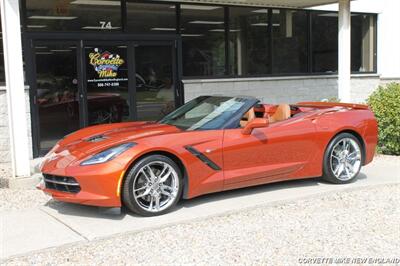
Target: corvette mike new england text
{"points": [[349, 260]]}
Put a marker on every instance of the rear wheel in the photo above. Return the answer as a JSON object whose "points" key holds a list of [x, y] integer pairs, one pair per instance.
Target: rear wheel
{"points": [[153, 186], [342, 159]]}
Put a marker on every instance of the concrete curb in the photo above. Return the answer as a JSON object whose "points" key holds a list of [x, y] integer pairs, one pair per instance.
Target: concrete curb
{"points": [[25, 183]]}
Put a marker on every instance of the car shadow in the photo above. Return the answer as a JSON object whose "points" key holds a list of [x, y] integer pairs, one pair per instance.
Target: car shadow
{"points": [[229, 194], [282, 185], [71, 209]]}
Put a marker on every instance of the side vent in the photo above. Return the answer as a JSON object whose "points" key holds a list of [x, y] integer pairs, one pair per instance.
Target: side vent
{"points": [[203, 158]]}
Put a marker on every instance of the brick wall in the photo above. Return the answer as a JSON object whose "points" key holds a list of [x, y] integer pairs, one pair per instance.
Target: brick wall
{"points": [[5, 158], [362, 87], [283, 89], [5, 153], [271, 90]]}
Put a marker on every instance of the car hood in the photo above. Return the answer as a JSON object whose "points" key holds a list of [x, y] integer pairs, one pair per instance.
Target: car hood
{"points": [[97, 138]]}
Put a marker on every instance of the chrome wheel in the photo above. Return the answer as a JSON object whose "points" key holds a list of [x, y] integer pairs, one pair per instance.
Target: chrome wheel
{"points": [[345, 159], [155, 186]]}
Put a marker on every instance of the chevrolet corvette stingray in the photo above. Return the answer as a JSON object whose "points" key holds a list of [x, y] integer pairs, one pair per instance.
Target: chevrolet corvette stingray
{"points": [[210, 144]]}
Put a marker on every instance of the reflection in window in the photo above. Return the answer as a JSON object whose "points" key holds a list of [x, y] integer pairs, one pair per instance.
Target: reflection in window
{"points": [[249, 41], [363, 47], [203, 38], [56, 91], [325, 41], [73, 15], [261, 41], [151, 18], [289, 32], [204, 112], [155, 88]]}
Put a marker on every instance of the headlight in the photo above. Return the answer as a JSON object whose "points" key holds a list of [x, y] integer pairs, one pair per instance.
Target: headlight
{"points": [[109, 154]]}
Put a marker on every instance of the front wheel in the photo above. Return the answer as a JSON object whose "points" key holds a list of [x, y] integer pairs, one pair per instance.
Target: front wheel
{"points": [[153, 186], [342, 159]]}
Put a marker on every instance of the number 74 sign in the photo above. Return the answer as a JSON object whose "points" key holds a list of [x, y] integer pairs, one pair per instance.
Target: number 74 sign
{"points": [[105, 24]]}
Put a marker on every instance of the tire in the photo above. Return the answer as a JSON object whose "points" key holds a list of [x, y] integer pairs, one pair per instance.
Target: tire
{"points": [[158, 186], [342, 159]]}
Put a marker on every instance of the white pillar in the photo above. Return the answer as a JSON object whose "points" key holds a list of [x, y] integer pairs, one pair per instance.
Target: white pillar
{"points": [[344, 79], [17, 118]]}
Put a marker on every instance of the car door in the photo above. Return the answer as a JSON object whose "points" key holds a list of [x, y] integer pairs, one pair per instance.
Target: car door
{"points": [[270, 153]]}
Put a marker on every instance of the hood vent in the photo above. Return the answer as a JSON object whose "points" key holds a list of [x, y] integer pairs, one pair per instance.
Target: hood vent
{"points": [[96, 138]]}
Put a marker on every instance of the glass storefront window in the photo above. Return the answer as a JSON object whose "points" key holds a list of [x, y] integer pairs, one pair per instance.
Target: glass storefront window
{"points": [[289, 33], [143, 18], [262, 41], [203, 40], [363, 43], [249, 41], [107, 83], [324, 42], [73, 15], [155, 86]]}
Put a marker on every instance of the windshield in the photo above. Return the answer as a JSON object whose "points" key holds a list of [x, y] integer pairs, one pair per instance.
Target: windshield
{"points": [[206, 112]]}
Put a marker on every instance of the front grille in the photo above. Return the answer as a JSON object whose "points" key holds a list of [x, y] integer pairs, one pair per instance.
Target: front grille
{"points": [[61, 183]]}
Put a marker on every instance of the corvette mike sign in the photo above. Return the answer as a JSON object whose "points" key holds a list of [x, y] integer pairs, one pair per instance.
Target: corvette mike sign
{"points": [[106, 66]]}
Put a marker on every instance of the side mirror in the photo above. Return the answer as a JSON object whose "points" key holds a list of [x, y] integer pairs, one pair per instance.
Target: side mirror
{"points": [[255, 123]]}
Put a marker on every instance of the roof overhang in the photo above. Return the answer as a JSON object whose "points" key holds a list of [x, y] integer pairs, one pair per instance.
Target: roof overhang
{"points": [[264, 3]]}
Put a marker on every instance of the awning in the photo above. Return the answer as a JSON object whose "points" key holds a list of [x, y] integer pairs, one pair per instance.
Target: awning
{"points": [[264, 3]]}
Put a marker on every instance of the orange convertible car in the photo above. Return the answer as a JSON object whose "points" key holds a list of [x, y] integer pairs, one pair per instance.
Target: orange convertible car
{"points": [[210, 144]]}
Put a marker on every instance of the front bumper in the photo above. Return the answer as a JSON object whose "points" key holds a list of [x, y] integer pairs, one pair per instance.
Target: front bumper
{"points": [[97, 185]]}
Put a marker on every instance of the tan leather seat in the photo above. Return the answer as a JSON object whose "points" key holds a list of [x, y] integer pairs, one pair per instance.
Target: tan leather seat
{"points": [[281, 113], [250, 115]]}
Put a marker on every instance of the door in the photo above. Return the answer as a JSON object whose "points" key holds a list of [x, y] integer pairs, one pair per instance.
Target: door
{"points": [[268, 153], [75, 84], [55, 92], [156, 86]]}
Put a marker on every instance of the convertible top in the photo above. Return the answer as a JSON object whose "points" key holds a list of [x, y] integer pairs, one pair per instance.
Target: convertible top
{"points": [[331, 104]]}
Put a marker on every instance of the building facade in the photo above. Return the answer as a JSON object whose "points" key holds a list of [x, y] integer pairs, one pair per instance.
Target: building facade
{"points": [[69, 64]]}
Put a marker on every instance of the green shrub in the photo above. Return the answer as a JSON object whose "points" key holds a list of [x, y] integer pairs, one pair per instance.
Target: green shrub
{"points": [[385, 103]]}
